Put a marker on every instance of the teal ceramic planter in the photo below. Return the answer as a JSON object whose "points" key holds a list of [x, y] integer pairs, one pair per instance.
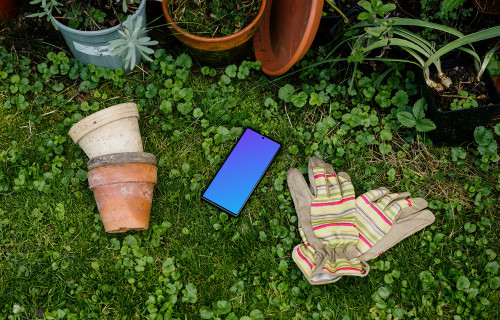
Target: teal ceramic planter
{"points": [[91, 47]]}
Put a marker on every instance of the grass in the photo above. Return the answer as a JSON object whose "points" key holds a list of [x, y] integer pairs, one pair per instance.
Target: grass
{"points": [[58, 263]]}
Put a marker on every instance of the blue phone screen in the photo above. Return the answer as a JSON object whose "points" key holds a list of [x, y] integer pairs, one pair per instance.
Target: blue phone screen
{"points": [[241, 171]]}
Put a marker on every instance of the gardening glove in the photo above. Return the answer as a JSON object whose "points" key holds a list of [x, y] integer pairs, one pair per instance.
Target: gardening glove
{"points": [[384, 219], [327, 224]]}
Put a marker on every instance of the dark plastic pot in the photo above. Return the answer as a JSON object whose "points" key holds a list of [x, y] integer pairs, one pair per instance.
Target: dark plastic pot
{"points": [[8, 9], [329, 25], [455, 127], [91, 47]]}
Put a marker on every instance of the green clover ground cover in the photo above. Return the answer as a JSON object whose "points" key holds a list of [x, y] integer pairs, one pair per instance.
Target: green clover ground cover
{"points": [[196, 262]]}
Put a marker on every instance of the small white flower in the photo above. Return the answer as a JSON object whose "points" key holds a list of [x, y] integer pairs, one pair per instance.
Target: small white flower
{"points": [[16, 309]]}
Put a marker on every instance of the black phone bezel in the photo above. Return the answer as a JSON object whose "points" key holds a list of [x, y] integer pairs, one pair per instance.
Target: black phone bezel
{"points": [[256, 184]]}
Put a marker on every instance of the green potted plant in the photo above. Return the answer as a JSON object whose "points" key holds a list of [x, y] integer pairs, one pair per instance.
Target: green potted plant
{"points": [[455, 110], [217, 32], [108, 33]]}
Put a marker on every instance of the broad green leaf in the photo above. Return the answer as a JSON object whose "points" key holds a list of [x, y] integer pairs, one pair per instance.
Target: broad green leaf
{"points": [[386, 135], [285, 93], [383, 98], [223, 306], [418, 109], [384, 292], [299, 100], [231, 70], [406, 119], [497, 129], [400, 99], [463, 283], [450, 5], [257, 314], [424, 125], [206, 313], [190, 294], [237, 288], [482, 135], [384, 148]]}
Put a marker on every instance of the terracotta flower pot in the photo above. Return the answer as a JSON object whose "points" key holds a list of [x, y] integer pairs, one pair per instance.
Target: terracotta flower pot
{"points": [[219, 50], [123, 191], [496, 79], [111, 130], [8, 9], [488, 6], [286, 34]]}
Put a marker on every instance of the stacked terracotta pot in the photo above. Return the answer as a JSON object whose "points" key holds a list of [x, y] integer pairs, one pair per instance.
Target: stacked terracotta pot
{"points": [[121, 175]]}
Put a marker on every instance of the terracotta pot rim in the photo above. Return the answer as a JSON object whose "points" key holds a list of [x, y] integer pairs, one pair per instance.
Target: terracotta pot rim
{"points": [[183, 35], [271, 65], [102, 117], [122, 173], [120, 158]]}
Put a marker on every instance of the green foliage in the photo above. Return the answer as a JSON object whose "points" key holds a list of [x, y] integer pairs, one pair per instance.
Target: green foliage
{"points": [[468, 101], [450, 5], [416, 119], [132, 41], [195, 261]]}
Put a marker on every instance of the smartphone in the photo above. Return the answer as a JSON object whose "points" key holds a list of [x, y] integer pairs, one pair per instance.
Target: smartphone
{"points": [[242, 171]]}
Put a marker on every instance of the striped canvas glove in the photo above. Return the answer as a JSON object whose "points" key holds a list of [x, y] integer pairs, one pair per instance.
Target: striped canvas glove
{"points": [[327, 224], [385, 218]]}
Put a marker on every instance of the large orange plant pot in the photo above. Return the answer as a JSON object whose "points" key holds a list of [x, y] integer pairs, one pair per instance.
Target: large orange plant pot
{"points": [[286, 34], [123, 191], [8, 9], [496, 79], [488, 6], [219, 50]]}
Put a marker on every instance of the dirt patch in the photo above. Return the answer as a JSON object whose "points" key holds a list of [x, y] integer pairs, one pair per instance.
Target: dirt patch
{"points": [[464, 79]]}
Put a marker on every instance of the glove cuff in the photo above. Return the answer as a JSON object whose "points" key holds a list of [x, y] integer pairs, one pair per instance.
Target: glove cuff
{"points": [[319, 268]]}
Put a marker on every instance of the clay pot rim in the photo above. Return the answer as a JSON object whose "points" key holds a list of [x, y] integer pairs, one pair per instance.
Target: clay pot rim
{"points": [[280, 67], [122, 173], [102, 117], [213, 43], [121, 158]]}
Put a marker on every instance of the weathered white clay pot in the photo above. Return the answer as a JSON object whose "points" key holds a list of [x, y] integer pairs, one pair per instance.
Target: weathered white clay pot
{"points": [[111, 130]]}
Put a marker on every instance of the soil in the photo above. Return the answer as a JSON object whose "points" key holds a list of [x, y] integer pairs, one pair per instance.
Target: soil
{"points": [[81, 9], [464, 78], [213, 18]]}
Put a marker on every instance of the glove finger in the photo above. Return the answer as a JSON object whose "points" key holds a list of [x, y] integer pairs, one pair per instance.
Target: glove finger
{"points": [[334, 188], [371, 223], [374, 195], [317, 177], [300, 192], [400, 231], [304, 259], [346, 185], [417, 204], [390, 199], [408, 206]]}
